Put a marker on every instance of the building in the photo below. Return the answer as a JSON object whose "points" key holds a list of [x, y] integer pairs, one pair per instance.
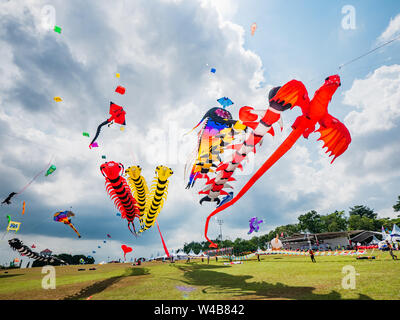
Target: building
{"points": [[328, 240], [46, 252]]}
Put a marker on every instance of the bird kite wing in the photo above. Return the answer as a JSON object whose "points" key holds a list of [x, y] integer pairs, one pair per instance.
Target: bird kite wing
{"points": [[292, 93], [335, 135]]}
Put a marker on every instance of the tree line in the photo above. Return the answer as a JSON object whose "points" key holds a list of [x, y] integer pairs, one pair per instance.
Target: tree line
{"points": [[360, 217]]}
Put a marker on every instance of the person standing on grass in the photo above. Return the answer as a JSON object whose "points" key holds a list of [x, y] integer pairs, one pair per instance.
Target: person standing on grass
{"points": [[311, 255], [394, 257]]}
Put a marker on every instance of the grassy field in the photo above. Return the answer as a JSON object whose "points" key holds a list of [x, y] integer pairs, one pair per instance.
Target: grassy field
{"points": [[274, 277]]}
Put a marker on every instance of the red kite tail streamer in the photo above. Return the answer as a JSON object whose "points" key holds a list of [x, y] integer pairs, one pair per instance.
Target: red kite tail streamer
{"points": [[282, 149], [162, 240]]}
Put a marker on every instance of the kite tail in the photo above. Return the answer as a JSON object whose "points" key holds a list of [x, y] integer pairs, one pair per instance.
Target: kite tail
{"points": [[98, 131], [73, 228], [162, 240], [282, 149]]}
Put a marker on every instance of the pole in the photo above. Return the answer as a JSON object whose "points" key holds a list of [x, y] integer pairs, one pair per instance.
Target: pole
{"points": [[220, 222]]}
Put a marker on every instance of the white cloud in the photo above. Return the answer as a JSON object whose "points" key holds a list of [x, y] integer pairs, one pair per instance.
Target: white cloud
{"points": [[392, 29], [164, 52], [377, 101]]}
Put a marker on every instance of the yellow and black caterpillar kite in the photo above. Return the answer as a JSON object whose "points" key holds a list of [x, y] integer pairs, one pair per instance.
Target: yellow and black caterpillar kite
{"points": [[138, 185], [150, 204]]}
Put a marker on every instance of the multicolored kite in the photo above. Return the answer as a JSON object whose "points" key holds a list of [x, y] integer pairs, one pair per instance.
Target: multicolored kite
{"points": [[63, 216]]}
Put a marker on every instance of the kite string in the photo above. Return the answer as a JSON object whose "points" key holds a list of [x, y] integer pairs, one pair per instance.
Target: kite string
{"points": [[35, 177], [367, 53], [360, 57]]}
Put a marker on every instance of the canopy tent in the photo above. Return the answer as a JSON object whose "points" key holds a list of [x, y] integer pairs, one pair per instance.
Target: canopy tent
{"points": [[395, 234], [181, 255], [374, 241], [201, 254], [191, 253], [385, 236]]}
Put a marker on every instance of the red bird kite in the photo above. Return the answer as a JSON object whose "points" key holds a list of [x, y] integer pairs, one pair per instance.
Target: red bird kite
{"points": [[334, 134]]}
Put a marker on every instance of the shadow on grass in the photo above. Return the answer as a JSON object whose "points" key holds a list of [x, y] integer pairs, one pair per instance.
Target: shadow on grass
{"points": [[10, 275], [100, 286], [237, 285]]}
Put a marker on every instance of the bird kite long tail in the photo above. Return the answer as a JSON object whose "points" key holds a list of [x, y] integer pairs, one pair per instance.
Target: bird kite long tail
{"points": [[282, 149], [162, 240]]}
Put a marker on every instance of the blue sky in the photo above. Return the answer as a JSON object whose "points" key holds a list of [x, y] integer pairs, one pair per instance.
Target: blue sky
{"points": [[163, 51]]}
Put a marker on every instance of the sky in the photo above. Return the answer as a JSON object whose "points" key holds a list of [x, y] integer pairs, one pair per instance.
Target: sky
{"points": [[163, 51]]}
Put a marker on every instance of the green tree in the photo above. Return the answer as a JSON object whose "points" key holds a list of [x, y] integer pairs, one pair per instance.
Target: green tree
{"points": [[357, 222], [363, 211], [396, 207], [334, 222], [311, 222], [65, 257]]}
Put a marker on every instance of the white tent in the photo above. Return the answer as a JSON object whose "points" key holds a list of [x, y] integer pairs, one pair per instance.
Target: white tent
{"points": [[374, 241], [201, 255], [396, 230], [181, 256], [192, 254], [385, 236], [395, 234]]}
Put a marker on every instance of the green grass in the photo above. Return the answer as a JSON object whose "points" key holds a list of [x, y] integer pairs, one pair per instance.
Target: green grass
{"points": [[274, 277]]}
